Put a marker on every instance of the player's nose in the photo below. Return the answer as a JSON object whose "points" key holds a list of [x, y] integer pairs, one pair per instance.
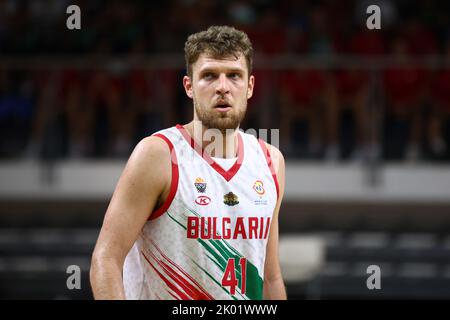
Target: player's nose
{"points": [[222, 85]]}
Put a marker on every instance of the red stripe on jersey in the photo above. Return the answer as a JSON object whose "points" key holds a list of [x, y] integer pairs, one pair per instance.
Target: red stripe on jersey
{"points": [[174, 181], [168, 283], [270, 164], [203, 293]]}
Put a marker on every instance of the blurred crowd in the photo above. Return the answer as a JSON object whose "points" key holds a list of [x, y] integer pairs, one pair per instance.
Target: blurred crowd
{"points": [[399, 110]]}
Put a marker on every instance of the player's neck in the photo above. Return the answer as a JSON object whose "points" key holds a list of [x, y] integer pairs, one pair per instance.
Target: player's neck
{"points": [[216, 143]]}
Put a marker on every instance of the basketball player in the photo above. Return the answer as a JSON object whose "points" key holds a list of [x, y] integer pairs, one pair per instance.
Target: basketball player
{"points": [[194, 217]]}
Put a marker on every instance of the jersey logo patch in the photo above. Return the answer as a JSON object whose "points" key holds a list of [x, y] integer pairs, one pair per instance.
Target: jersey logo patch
{"points": [[200, 184], [203, 200], [230, 199]]}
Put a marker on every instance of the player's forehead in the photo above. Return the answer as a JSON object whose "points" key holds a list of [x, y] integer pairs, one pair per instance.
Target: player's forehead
{"points": [[207, 62]]}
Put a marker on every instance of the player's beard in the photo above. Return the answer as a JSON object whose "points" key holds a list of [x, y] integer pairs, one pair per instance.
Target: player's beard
{"points": [[212, 119]]}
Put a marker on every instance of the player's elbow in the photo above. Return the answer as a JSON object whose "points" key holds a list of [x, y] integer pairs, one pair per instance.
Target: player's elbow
{"points": [[274, 289], [105, 268], [104, 260]]}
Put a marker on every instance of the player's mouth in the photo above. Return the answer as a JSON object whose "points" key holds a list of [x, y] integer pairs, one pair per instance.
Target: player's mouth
{"points": [[223, 106]]}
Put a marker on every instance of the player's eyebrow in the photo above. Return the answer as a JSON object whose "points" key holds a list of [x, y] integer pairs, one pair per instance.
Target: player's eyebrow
{"points": [[236, 70], [228, 70]]}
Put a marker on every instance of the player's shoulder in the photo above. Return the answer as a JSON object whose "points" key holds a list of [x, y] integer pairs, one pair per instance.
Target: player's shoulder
{"points": [[157, 144], [150, 162], [152, 153], [273, 150], [153, 146], [276, 156]]}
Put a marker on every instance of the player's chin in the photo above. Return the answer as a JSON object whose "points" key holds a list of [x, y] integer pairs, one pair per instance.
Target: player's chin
{"points": [[226, 123]]}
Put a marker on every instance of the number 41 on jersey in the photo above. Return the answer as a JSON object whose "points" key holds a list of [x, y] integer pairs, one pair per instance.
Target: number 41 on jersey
{"points": [[229, 277]]}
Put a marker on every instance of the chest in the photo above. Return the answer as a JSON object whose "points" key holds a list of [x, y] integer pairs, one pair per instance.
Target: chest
{"points": [[250, 191]]}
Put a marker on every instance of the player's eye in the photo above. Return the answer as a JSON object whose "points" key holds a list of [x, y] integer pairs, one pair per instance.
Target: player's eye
{"points": [[208, 76], [234, 75]]}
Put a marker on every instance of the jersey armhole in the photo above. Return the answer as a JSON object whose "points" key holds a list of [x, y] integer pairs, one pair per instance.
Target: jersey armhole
{"points": [[266, 153], [173, 183]]}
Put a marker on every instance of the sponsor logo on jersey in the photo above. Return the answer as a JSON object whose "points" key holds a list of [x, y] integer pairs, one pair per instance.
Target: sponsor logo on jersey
{"points": [[230, 199], [200, 184], [203, 200], [227, 227], [258, 186]]}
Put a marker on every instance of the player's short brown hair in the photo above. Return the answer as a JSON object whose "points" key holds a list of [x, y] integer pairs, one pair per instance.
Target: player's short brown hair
{"points": [[218, 42]]}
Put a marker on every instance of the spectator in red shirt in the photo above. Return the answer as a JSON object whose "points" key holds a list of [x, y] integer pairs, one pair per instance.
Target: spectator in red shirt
{"points": [[351, 87], [303, 95], [307, 93], [77, 113], [404, 86], [420, 40], [107, 93], [269, 35], [259, 110], [367, 43], [47, 84]]}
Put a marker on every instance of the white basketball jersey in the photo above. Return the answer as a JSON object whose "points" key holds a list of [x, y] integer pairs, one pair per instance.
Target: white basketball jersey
{"points": [[208, 240]]}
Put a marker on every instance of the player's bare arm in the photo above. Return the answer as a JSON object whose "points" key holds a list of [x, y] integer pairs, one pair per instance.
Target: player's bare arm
{"points": [[143, 185], [274, 288]]}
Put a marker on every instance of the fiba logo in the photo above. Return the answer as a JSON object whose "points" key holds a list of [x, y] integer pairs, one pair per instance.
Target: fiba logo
{"points": [[258, 186]]}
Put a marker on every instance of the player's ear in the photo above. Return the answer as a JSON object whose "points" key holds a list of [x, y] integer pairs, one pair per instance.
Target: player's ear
{"points": [[187, 84], [251, 85]]}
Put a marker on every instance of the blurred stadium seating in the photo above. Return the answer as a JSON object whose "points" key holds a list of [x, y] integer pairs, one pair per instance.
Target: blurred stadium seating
{"points": [[338, 222]]}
